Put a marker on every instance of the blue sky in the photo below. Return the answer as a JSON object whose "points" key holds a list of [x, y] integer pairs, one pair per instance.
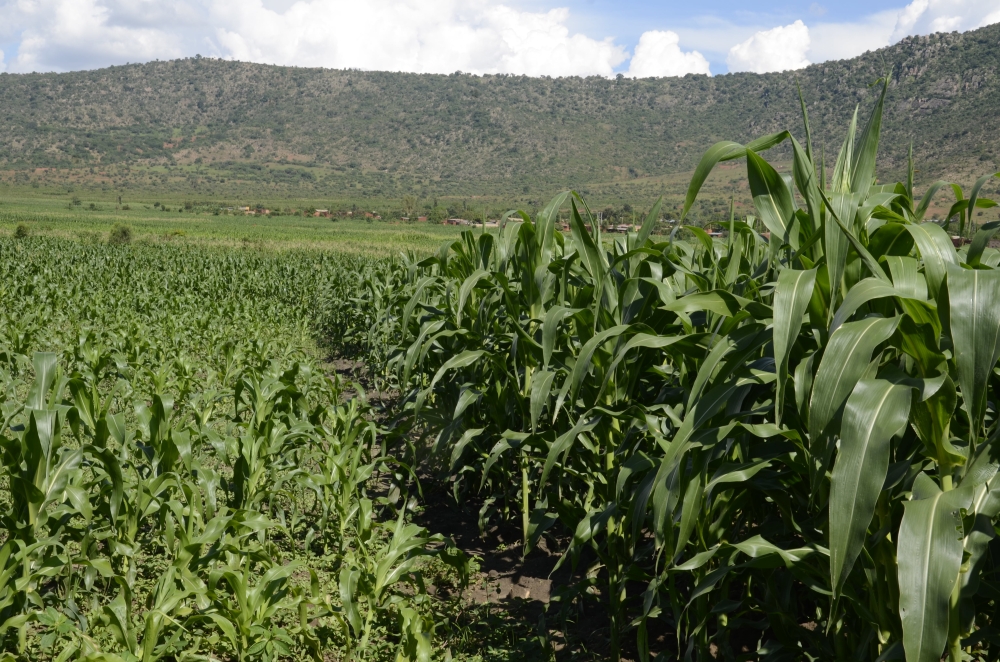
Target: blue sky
{"points": [[628, 19], [534, 37]]}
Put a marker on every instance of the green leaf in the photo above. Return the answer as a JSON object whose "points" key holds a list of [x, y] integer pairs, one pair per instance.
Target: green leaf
{"points": [[875, 411], [974, 201], [835, 244], [720, 151], [974, 297], [937, 252], [584, 359], [724, 151], [719, 302], [462, 360], [906, 278], [46, 365], [466, 289], [844, 361], [591, 255], [867, 290], [925, 202], [771, 197], [541, 387], [845, 159], [929, 554], [550, 329], [547, 225], [980, 242], [791, 299], [863, 175], [649, 224]]}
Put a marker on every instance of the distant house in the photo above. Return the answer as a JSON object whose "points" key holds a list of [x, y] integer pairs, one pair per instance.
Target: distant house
{"points": [[325, 213], [457, 221], [421, 219], [623, 228]]}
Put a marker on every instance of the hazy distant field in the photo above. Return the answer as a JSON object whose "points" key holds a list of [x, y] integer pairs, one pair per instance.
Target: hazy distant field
{"points": [[53, 217]]}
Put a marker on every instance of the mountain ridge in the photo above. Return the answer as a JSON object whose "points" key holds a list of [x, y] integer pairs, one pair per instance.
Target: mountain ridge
{"points": [[214, 124]]}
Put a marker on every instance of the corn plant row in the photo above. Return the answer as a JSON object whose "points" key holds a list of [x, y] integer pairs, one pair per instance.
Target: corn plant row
{"points": [[778, 444], [180, 479]]}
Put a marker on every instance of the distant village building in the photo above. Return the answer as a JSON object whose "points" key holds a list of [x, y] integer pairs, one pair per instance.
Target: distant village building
{"points": [[325, 213]]}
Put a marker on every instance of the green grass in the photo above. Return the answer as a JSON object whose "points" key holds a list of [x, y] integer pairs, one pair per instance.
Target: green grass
{"points": [[53, 217]]}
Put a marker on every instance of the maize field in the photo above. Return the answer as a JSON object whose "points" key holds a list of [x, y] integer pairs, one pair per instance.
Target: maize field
{"points": [[771, 445]]}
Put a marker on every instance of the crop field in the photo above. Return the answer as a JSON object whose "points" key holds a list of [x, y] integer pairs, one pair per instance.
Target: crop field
{"points": [[527, 444], [59, 218]]}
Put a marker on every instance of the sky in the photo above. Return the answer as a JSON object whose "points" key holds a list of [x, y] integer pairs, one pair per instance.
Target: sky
{"points": [[637, 38]]}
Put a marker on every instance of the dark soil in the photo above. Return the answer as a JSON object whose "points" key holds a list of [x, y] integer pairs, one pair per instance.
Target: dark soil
{"points": [[530, 586]]}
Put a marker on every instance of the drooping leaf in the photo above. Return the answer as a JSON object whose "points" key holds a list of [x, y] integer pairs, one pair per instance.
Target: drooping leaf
{"points": [[974, 297], [771, 197], [937, 252], [930, 555], [844, 361], [875, 411]]}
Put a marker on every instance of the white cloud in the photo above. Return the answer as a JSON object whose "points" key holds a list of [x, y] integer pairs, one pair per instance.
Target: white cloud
{"points": [[778, 49], [839, 41], [82, 34], [659, 54], [844, 40], [436, 36], [479, 36], [442, 36], [926, 16]]}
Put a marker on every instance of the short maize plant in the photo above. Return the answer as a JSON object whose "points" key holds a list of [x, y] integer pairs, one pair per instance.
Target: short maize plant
{"points": [[180, 479], [773, 445]]}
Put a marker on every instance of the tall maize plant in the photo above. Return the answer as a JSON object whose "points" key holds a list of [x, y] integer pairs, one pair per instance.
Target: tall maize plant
{"points": [[778, 444]]}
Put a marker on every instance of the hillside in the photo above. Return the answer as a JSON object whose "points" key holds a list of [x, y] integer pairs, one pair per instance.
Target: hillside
{"points": [[216, 127]]}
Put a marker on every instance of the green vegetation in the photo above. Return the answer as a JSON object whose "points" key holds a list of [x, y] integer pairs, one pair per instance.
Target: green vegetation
{"points": [[120, 234], [201, 225], [766, 443], [761, 446], [183, 477], [213, 129]]}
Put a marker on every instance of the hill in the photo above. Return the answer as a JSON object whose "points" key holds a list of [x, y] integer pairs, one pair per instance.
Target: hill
{"points": [[205, 127]]}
